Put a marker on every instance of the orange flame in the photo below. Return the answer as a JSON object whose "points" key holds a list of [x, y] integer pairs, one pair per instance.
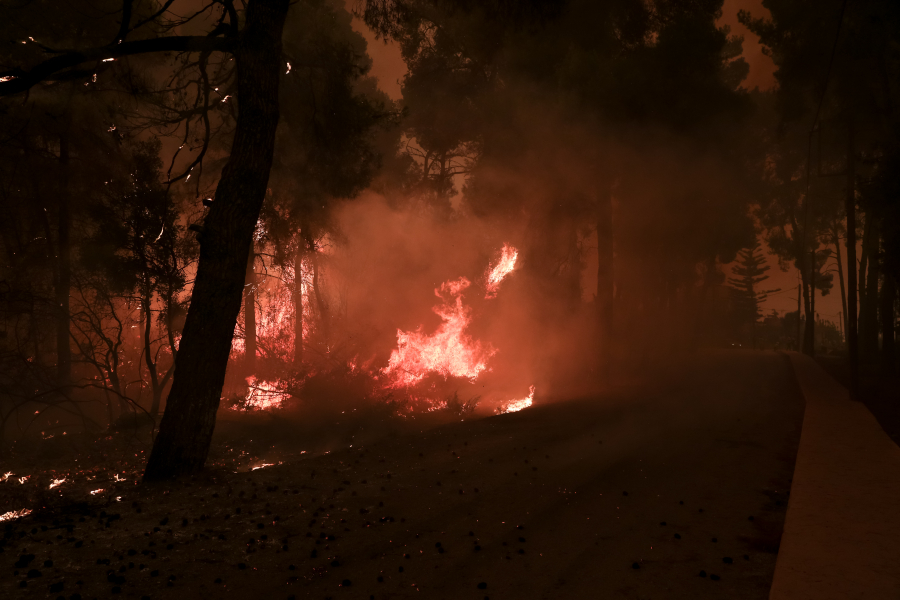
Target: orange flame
{"points": [[498, 272], [264, 395], [449, 351], [517, 405]]}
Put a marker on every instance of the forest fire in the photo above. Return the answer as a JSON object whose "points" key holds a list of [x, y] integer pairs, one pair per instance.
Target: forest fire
{"points": [[264, 395], [449, 351], [276, 274], [503, 268]]}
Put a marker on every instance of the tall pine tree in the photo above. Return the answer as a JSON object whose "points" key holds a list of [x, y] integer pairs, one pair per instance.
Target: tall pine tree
{"points": [[750, 272]]}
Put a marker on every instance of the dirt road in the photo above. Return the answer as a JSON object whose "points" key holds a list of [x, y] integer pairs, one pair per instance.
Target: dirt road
{"points": [[676, 489]]}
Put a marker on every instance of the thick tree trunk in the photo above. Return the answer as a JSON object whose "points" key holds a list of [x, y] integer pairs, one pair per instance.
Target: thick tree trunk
{"points": [[605, 277], [888, 299], [64, 270], [250, 316], [187, 425], [297, 299]]}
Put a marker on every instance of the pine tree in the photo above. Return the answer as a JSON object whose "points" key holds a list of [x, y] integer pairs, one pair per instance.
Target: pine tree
{"points": [[750, 272]]}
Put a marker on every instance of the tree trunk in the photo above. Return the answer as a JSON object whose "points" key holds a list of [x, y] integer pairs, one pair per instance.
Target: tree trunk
{"points": [[850, 211], [297, 298], [605, 277], [250, 316], [812, 305], [64, 270], [799, 322], [187, 425], [321, 305], [148, 353], [888, 299], [868, 326], [808, 328], [840, 266]]}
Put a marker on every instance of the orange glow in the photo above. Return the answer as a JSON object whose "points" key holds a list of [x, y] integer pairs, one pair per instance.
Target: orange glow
{"points": [[517, 405], [498, 272], [449, 351], [264, 395]]}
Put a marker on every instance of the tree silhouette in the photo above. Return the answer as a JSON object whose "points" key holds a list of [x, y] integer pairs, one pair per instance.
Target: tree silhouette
{"points": [[750, 273]]}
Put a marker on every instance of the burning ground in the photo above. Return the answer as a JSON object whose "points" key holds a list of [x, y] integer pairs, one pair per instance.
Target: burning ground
{"points": [[633, 492]]}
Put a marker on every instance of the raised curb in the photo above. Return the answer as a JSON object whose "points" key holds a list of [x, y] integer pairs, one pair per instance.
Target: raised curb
{"points": [[841, 535]]}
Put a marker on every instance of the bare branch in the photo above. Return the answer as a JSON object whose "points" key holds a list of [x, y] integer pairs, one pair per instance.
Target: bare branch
{"points": [[18, 81]]}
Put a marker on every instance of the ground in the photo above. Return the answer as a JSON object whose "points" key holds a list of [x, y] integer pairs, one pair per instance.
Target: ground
{"points": [[672, 488]]}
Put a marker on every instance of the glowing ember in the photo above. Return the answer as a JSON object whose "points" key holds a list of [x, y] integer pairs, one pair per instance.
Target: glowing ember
{"points": [[15, 514], [517, 405], [57, 482], [264, 395], [449, 351], [95, 492], [498, 272], [262, 466]]}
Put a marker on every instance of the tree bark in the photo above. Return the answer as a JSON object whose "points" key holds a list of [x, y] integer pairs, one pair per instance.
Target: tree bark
{"points": [[64, 269], [250, 316], [605, 277], [187, 425]]}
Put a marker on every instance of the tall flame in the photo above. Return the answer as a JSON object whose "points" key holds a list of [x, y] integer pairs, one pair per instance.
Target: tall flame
{"points": [[449, 351], [498, 272]]}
